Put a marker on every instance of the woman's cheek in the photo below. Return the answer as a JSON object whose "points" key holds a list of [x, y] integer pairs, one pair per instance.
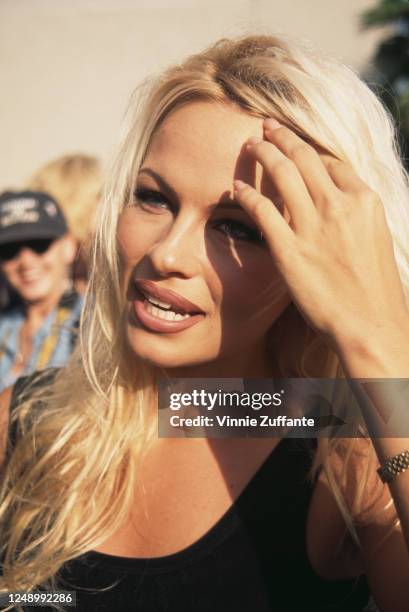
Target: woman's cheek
{"points": [[135, 238], [254, 281]]}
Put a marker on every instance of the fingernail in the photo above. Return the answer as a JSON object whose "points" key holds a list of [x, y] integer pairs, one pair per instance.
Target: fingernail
{"points": [[254, 140], [239, 185], [271, 124]]}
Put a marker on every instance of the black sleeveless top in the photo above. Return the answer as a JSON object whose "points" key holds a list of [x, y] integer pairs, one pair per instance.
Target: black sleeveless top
{"points": [[253, 559]]}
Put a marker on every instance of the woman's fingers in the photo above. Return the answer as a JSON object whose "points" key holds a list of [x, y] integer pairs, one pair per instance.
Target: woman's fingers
{"points": [[287, 181], [308, 161], [343, 175], [275, 228]]}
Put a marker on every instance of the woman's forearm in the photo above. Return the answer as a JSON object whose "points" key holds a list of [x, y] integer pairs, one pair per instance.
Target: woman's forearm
{"points": [[377, 365]]}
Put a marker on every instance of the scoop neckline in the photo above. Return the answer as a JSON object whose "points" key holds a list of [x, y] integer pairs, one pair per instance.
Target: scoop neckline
{"points": [[212, 538]]}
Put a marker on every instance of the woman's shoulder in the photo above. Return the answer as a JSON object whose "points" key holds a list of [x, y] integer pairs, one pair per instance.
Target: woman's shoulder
{"points": [[352, 508], [352, 467]]}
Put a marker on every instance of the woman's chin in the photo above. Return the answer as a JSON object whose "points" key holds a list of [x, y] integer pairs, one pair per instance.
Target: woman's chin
{"points": [[157, 354]]}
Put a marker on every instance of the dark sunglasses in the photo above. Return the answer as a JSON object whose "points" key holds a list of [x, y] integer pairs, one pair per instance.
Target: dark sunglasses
{"points": [[12, 249]]}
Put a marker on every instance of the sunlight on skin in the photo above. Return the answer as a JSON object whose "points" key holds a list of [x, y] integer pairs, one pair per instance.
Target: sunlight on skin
{"points": [[175, 239]]}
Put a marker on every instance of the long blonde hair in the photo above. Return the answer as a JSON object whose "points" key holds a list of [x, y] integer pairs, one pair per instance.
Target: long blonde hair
{"points": [[70, 480]]}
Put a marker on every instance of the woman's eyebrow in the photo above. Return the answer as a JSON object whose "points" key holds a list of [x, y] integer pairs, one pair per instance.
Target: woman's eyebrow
{"points": [[161, 181], [229, 204]]}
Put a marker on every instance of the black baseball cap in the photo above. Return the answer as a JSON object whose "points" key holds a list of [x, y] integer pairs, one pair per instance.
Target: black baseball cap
{"points": [[27, 215]]}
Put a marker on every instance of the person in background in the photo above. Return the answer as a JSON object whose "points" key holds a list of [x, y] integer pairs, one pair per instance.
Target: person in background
{"points": [[36, 253], [75, 182]]}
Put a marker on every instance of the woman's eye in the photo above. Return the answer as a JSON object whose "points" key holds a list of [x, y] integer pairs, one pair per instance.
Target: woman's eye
{"points": [[239, 231], [151, 201]]}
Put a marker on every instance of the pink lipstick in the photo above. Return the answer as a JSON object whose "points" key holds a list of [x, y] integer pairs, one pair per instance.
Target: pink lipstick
{"points": [[163, 310]]}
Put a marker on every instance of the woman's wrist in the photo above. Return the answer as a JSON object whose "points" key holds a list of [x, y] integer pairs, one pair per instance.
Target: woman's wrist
{"points": [[371, 351]]}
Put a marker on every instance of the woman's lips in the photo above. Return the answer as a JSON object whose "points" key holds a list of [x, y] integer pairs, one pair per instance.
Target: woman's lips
{"points": [[156, 324], [148, 313], [31, 276], [176, 301]]}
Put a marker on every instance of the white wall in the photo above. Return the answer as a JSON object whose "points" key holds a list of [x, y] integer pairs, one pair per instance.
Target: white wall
{"points": [[68, 66]]}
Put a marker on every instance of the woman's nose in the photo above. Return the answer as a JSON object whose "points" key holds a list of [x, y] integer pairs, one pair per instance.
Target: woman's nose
{"points": [[178, 251], [27, 256]]}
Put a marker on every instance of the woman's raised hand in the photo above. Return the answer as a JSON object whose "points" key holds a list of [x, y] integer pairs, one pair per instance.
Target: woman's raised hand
{"points": [[336, 252]]}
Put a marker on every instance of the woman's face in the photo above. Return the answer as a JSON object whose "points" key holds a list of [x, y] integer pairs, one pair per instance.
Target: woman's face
{"points": [[40, 277], [186, 246]]}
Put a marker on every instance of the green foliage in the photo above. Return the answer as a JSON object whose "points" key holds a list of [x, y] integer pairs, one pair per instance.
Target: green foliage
{"points": [[386, 12], [392, 62]]}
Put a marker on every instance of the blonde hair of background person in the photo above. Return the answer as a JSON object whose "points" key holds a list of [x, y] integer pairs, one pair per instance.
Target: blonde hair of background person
{"points": [[100, 414], [75, 181]]}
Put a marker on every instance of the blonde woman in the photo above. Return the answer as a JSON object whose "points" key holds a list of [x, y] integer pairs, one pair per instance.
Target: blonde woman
{"points": [[75, 181], [255, 225]]}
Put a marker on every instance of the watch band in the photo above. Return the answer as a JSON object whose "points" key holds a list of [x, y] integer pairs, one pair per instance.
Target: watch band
{"points": [[394, 466]]}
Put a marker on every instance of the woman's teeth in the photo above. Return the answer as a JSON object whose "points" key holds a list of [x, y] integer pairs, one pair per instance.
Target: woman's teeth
{"points": [[157, 302], [168, 315]]}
